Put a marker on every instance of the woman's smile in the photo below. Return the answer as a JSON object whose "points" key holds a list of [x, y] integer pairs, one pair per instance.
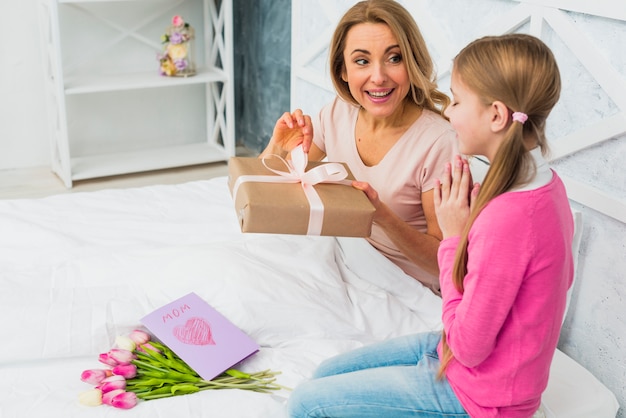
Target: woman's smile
{"points": [[380, 94]]}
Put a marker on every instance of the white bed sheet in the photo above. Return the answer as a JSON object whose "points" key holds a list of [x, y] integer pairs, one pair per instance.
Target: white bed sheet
{"points": [[76, 270]]}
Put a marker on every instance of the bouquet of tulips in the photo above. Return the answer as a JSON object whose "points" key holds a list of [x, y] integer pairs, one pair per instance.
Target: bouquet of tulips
{"points": [[143, 369]]}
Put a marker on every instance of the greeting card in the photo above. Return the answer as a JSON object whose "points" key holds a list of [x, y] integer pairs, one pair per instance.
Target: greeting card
{"points": [[202, 337]]}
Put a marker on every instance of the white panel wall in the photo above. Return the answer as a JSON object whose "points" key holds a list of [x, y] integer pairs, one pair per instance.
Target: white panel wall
{"points": [[587, 132]]}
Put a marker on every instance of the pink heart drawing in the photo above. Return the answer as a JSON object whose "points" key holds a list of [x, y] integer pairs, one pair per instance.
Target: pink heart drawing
{"points": [[196, 331]]}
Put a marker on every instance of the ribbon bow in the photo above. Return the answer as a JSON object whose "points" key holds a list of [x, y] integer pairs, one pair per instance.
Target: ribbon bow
{"points": [[325, 173]]}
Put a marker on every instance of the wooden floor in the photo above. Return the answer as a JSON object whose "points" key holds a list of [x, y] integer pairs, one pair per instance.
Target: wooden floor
{"points": [[41, 181]]}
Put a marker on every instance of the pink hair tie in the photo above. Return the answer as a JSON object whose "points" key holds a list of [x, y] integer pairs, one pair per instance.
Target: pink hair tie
{"points": [[520, 117]]}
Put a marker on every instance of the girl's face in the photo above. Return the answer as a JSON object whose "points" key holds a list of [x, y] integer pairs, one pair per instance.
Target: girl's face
{"points": [[471, 119], [374, 69]]}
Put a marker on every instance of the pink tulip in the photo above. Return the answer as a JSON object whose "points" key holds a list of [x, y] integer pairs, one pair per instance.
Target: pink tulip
{"points": [[107, 398], [124, 400], [113, 378], [121, 356], [147, 346], [112, 383], [128, 371], [94, 376], [91, 397], [139, 336], [106, 358]]}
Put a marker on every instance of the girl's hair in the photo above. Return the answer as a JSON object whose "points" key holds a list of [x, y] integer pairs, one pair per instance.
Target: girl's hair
{"points": [[415, 55], [520, 71]]}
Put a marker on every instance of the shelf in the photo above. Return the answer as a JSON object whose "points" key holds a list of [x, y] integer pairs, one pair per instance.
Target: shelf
{"points": [[132, 81], [109, 104], [103, 165]]}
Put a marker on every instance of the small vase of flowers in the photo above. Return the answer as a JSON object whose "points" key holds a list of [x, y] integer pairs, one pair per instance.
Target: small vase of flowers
{"points": [[177, 58]]}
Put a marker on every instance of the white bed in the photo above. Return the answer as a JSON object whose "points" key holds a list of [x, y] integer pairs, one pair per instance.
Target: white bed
{"points": [[78, 269]]}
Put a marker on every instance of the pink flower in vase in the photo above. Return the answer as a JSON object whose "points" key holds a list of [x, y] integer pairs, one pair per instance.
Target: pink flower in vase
{"points": [[178, 21]]}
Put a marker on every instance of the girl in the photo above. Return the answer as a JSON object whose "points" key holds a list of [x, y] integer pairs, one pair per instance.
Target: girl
{"points": [[505, 261]]}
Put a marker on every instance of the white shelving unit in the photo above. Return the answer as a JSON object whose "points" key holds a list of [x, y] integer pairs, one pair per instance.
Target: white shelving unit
{"points": [[110, 112]]}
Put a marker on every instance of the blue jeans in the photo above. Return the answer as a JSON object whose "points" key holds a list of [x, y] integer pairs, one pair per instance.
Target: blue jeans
{"points": [[395, 378]]}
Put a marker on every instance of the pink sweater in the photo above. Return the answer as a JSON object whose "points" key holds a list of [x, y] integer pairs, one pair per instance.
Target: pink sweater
{"points": [[504, 328]]}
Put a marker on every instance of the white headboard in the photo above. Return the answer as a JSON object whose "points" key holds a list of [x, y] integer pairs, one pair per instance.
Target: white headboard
{"points": [[587, 38]]}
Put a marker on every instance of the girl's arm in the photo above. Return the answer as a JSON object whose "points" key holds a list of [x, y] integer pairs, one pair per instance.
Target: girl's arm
{"points": [[496, 267]]}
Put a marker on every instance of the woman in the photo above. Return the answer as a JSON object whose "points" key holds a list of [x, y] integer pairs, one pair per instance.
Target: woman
{"points": [[387, 125]]}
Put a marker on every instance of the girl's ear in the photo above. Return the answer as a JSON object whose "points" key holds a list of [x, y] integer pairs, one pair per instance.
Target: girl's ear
{"points": [[500, 116]]}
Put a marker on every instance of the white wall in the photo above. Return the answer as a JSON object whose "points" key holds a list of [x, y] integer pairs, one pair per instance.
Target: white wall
{"points": [[23, 120], [587, 132]]}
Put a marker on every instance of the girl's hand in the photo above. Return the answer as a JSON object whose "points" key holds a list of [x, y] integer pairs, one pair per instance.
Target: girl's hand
{"points": [[454, 198], [291, 130]]}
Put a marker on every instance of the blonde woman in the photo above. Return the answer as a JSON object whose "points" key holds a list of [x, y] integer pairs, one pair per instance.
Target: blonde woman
{"points": [[387, 124], [505, 261]]}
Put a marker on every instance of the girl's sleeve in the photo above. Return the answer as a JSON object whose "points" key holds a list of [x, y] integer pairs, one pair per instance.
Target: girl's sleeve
{"points": [[496, 264]]}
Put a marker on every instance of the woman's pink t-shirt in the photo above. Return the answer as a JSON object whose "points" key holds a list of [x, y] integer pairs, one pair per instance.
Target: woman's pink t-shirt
{"points": [[409, 168]]}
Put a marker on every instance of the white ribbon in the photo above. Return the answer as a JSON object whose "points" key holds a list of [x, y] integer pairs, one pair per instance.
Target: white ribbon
{"points": [[325, 173]]}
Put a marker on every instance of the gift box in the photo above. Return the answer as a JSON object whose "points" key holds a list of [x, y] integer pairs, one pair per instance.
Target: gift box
{"points": [[267, 203]]}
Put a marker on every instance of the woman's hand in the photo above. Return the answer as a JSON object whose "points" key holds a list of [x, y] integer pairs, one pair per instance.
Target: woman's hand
{"points": [[372, 195], [454, 197], [291, 130]]}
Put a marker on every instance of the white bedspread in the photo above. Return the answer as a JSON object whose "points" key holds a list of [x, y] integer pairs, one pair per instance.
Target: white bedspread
{"points": [[78, 269]]}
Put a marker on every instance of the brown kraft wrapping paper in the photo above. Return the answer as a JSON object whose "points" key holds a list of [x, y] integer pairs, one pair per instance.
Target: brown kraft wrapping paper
{"points": [[282, 208]]}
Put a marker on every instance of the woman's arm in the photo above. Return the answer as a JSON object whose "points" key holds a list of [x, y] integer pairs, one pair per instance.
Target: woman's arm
{"points": [[420, 248]]}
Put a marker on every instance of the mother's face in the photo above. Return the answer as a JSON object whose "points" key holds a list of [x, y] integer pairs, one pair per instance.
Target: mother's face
{"points": [[374, 69]]}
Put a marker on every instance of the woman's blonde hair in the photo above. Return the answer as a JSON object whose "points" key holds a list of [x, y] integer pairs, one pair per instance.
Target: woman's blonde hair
{"points": [[419, 65], [520, 71]]}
